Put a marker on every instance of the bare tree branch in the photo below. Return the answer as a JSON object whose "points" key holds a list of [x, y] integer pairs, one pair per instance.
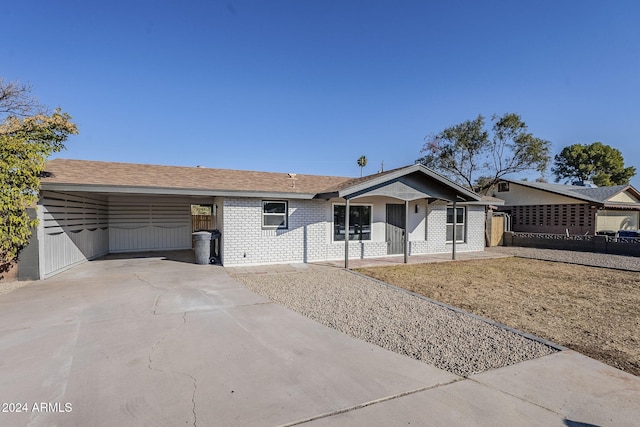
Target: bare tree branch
{"points": [[16, 100]]}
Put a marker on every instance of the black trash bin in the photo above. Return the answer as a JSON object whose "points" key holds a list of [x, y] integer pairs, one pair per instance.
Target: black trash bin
{"points": [[215, 245], [202, 246]]}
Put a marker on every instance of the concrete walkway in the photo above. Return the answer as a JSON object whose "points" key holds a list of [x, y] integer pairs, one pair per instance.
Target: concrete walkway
{"points": [[160, 341]]}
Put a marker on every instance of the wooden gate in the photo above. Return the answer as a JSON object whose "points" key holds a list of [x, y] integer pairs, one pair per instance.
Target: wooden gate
{"points": [[201, 222], [497, 230], [395, 229]]}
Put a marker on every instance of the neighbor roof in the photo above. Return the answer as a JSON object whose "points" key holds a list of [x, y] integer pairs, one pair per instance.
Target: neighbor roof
{"points": [[596, 194]]}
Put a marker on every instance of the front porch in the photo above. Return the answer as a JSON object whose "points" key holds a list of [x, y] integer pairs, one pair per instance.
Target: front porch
{"points": [[414, 259], [362, 263]]}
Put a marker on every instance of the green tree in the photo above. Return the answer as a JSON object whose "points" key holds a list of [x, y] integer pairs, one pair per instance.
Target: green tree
{"points": [[28, 136], [477, 157], [597, 162], [362, 162]]}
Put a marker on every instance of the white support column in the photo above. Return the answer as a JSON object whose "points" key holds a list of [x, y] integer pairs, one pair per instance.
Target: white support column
{"points": [[455, 216], [346, 233], [405, 232]]}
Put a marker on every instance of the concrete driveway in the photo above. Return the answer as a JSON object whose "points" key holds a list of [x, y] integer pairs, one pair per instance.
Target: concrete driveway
{"points": [[159, 341]]}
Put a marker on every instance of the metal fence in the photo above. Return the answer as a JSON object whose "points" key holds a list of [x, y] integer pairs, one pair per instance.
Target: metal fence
{"points": [[575, 237], [582, 237], [585, 243]]}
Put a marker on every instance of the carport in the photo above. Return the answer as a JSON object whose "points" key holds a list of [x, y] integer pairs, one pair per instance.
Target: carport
{"points": [[75, 226]]}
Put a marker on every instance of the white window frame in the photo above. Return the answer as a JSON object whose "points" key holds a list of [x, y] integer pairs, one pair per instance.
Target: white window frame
{"points": [[351, 205], [284, 224], [459, 239]]}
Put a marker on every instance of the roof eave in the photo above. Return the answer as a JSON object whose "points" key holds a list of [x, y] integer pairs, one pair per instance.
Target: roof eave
{"points": [[622, 206], [484, 203], [169, 191]]}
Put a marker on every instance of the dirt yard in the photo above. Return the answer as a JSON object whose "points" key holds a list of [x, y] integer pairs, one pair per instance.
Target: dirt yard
{"points": [[595, 311]]}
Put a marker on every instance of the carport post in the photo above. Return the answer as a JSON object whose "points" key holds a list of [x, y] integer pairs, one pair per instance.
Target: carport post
{"points": [[453, 246], [346, 233], [405, 232]]}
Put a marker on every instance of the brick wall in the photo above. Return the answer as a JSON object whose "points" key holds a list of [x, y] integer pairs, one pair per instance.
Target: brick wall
{"points": [[437, 231], [308, 237], [357, 249], [475, 229], [245, 242], [577, 218]]}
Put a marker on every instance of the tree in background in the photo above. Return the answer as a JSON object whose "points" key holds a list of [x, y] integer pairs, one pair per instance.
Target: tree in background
{"points": [[595, 162], [477, 158], [362, 162], [28, 136]]}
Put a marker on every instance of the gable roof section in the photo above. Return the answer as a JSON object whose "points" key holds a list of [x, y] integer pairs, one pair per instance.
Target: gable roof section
{"points": [[598, 195], [406, 183], [83, 175], [410, 182]]}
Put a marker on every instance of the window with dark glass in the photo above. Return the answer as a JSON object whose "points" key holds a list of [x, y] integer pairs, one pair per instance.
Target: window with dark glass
{"points": [[274, 214], [460, 224], [359, 222]]}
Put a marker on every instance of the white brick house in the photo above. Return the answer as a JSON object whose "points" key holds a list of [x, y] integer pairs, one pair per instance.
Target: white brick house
{"points": [[88, 209], [309, 235]]}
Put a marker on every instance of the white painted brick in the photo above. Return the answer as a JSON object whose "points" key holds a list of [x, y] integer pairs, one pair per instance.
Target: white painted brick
{"points": [[309, 236]]}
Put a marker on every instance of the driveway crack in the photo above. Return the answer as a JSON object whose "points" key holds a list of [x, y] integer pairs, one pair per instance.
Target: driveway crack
{"points": [[147, 282], [192, 379], [158, 296]]}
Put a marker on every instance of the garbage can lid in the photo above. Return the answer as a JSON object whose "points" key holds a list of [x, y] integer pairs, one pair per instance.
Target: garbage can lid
{"points": [[201, 235]]}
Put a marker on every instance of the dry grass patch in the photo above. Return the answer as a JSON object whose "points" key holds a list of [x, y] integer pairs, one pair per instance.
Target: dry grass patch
{"points": [[595, 311]]}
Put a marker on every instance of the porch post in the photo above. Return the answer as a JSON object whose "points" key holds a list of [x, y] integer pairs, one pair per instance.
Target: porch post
{"points": [[346, 233], [405, 233], [455, 216]]}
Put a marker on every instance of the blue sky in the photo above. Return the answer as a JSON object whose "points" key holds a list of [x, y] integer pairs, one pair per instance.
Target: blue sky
{"points": [[309, 86]]}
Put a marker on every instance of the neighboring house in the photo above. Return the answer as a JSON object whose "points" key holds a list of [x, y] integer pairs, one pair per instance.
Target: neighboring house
{"points": [[88, 209], [577, 209]]}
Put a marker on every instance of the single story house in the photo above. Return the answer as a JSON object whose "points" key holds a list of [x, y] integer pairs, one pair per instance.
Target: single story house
{"points": [[540, 207], [90, 208]]}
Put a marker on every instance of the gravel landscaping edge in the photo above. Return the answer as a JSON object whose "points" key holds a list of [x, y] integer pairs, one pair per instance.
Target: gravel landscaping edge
{"points": [[466, 313]]}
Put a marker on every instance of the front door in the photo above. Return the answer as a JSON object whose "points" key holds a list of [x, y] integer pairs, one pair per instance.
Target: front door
{"points": [[395, 229]]}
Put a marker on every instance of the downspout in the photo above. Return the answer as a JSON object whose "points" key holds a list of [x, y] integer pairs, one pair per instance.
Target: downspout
{"points": [[455, 215], [346, 233]]}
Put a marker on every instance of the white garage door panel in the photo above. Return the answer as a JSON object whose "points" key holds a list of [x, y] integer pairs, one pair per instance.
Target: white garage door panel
{"points": [[75, 229], [65, 249], [155, 224]]}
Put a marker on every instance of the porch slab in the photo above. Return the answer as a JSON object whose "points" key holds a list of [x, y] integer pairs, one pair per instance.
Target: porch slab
{"points": [[414, 259]]}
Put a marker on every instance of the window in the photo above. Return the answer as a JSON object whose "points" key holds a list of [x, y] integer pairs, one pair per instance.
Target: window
{"points": [[359, 222], [503, 187], [274, 214], [460, 224]]}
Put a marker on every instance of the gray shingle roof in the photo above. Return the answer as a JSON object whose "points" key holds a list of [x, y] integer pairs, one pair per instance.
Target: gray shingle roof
{"points": [[600, 193], [597, 195]]}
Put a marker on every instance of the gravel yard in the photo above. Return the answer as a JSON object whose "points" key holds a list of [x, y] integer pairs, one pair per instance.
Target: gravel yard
{"points": [[618, 262], [396, 320], [593, 310]]}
